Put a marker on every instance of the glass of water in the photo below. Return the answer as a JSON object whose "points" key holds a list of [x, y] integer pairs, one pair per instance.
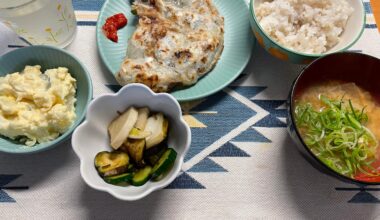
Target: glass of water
{"points": [[40, 22]]}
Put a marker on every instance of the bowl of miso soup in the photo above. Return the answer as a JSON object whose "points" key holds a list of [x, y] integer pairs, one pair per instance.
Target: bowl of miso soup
{"points": [[334, 116]]}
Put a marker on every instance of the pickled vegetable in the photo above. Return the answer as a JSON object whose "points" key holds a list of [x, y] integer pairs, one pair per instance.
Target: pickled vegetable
{"points": [[111, 163], [120, 128]]}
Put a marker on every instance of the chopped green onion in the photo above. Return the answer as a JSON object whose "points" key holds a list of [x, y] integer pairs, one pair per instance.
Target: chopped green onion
{"points": [[354, 122], [352, 109], [337, 135]]}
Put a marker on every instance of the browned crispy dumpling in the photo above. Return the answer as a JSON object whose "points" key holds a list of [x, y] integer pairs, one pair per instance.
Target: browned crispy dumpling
{"points": [[175, 43]]}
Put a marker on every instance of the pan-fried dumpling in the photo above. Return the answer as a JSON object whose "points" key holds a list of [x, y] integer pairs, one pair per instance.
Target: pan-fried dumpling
{"points": [[176, 42]]}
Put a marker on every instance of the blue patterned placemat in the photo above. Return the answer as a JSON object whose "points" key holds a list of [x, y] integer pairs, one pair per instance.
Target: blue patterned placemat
{"points": [[240, 156]]}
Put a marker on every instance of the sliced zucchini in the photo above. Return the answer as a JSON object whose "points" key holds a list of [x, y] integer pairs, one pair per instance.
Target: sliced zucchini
{"points": [[122, 178], [164, 163], [142, 176], [111, 163]]}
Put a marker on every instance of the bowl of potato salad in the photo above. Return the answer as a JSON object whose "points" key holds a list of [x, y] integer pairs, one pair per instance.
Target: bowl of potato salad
{"points": [[44, 93]]}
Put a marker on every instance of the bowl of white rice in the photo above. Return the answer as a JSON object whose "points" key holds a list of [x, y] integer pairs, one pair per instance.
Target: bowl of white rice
{"points": [[300, 31]]}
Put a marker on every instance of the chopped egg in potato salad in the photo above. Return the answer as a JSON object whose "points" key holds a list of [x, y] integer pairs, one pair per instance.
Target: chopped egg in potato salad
{"points": [[37, 107]]}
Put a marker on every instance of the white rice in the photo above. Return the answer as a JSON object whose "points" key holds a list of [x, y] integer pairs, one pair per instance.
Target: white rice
{"points": [[308, 26]]}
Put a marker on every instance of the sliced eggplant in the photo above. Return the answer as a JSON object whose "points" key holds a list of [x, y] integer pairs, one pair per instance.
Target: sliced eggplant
{"points": [[102, 159], [156, 149], [157, 125], [135, 149], [164, 163], [111, 163], [120, 128], [122, 178], [130, 168], [138, 134], [152, 158], [142, 176], [142, 118]]}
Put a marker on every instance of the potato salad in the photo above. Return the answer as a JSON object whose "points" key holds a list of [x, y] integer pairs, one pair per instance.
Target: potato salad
{"points": [[37, 107]]}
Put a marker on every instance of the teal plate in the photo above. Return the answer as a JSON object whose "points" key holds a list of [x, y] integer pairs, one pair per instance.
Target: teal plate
{"points": [[238, 43], [47, 57]]}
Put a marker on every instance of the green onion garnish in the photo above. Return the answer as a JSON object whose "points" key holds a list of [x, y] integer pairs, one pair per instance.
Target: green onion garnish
{"points": [[337, 136]]}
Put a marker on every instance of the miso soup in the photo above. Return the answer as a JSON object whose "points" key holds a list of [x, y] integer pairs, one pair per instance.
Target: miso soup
{"points": [[339, 122]]}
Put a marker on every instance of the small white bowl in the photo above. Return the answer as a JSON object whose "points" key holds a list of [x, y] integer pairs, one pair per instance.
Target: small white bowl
{"points": [[91, 137]]}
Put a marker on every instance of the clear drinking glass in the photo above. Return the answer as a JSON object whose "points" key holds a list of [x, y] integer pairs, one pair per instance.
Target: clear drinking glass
{"points": [[40, 22]]}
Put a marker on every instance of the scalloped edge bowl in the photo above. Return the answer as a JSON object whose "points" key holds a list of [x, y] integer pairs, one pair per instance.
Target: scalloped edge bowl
{"points": [[91, 136]]}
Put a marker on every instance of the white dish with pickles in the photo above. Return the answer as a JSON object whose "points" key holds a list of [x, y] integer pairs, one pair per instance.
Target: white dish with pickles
{"points": [[132, 142]]}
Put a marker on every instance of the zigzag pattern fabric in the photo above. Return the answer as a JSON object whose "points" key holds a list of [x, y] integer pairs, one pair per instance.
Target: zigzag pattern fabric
{"points": [[241, 163]]}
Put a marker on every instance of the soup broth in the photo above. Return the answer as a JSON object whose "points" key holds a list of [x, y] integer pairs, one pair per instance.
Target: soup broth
{"points": [[338, 121]]}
